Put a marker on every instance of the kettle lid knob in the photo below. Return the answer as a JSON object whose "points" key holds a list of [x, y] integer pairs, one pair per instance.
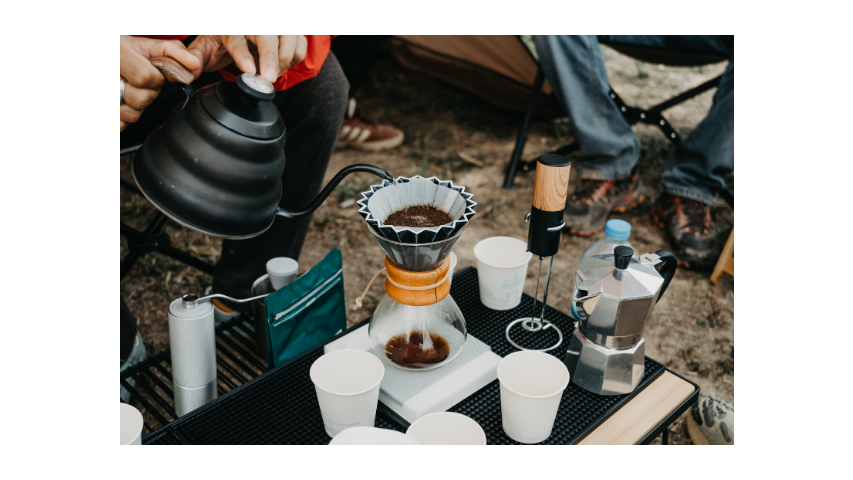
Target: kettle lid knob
{"points": [[622, 256], [255, 87]]}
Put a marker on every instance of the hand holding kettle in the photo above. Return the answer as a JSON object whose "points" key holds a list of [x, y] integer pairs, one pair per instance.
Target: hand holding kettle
{"points": [[273, 53], [140, 81]]}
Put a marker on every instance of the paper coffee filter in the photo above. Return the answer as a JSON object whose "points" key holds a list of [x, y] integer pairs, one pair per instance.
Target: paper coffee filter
{"points": [[383, 200]]}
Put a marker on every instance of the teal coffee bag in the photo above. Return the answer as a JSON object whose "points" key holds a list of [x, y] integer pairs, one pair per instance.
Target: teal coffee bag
{"points": [[308, 311]]}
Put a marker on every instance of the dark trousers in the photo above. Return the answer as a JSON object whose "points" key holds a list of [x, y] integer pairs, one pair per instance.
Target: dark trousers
{"points": [[357, 54]]}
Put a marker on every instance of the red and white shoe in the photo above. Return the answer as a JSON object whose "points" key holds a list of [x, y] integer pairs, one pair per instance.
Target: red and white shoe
{"points": [[366, 134]]}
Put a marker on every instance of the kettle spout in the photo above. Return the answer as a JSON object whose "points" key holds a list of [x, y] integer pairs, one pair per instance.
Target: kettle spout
{"points": [[379, 172]]}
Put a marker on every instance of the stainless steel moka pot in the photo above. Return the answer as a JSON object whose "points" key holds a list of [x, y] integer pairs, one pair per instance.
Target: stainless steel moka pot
{"points": [[615, 295]]}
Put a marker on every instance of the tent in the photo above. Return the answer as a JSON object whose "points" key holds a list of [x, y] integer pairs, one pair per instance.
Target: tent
{"points": [[497, 68]]}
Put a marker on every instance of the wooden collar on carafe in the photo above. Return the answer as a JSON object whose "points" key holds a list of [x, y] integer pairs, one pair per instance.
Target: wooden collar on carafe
{"points": [[417, 298]]}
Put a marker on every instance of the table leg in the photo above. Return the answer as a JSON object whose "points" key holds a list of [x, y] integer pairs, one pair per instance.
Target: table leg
{"points": [[664, 436]]}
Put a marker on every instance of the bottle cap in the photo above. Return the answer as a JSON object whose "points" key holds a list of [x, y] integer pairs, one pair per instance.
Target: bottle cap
{"points": [[618, 229]]}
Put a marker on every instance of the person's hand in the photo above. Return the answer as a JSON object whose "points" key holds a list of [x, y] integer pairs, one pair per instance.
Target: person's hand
{"points": [[142, 80], [273, 53]]}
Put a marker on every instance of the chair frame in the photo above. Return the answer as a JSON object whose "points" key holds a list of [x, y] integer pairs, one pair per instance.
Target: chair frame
{"points": [[652, 116]]}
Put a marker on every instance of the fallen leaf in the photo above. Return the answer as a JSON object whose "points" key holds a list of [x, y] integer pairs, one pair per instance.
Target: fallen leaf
{"points": [[347, 203]]}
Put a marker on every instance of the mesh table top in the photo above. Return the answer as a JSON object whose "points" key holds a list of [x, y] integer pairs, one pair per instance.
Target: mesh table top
{"points": [[280, 406]]}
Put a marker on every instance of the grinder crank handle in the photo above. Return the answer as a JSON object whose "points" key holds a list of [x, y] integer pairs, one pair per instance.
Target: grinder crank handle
{"points": [[667, 269], [549, 200]]}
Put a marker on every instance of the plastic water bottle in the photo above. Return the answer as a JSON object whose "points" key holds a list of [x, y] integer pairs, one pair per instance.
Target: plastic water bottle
{"points": [[616, 233]]}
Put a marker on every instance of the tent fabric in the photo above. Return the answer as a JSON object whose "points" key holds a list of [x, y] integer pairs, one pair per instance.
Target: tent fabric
{"points": [[497, 68]]}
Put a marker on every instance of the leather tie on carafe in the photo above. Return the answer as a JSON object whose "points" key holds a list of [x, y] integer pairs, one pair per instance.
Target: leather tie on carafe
{"points": [[400, 290]]}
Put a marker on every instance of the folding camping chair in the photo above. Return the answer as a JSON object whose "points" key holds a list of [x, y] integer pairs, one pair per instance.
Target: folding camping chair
{"points": [[651, 116]]}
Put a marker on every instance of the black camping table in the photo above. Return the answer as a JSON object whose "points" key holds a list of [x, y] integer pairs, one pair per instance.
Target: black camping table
{"points": [[280, 406]]}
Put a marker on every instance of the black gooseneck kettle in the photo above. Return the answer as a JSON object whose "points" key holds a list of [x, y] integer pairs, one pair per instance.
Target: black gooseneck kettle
{"points": [[215, 166]]}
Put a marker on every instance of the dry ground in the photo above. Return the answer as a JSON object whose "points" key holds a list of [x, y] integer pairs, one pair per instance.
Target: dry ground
{"points": [[692, 328]]}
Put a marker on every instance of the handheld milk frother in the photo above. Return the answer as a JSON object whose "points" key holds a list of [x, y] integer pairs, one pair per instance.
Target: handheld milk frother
{"points": [[543, 238]]}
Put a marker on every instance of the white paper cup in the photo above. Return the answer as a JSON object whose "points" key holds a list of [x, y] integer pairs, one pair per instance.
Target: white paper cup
{"points": [[372, 436], [532, 385], [347, 384], [447, 428], [131, 425], [501, 268], [282, 271], [453, 261]]}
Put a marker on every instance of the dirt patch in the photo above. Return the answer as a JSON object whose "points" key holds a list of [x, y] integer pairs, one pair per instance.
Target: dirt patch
{"points": [[691, 329]]}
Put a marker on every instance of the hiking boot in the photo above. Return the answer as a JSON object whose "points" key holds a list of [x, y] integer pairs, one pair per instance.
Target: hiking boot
{"points": [[593, 200], [364, 133], [711, 422], [690, 228]]}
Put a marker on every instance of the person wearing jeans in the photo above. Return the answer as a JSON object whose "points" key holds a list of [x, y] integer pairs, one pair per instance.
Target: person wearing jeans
{"points": [[610, 150]]}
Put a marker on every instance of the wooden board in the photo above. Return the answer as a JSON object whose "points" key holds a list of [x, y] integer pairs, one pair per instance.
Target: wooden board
{"points": [[726, 262], [639, 416]]}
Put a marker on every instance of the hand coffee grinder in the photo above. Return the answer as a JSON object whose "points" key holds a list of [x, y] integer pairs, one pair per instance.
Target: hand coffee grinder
{"points": [[543, 237], [192, 339]]}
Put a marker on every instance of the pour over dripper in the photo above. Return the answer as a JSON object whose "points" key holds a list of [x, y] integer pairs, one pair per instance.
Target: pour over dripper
{"points": [[377, 204], [417, 257]]}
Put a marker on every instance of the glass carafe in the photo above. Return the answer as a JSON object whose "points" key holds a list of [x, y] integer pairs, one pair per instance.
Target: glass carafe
{"points": [[417, 325]]}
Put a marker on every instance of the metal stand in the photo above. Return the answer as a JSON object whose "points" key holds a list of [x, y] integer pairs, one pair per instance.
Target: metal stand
{"points": [[532, 323]]}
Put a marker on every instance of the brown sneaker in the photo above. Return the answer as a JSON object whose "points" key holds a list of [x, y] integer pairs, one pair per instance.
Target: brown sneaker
{"points": [[593, 200], [366, 134], [689, 225]]}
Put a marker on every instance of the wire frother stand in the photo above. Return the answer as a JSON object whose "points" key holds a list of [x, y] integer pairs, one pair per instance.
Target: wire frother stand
{"points": [[543, 238]]}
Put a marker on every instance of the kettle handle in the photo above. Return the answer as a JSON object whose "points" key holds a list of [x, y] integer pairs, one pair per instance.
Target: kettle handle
{"points": [[173, 71], [667, 269]]}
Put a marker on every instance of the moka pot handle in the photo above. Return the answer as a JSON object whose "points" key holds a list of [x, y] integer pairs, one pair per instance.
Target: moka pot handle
{"points": [[667, 269]]}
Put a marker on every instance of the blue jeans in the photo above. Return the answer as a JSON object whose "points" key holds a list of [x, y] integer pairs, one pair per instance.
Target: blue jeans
{"points": [[609, 148]]}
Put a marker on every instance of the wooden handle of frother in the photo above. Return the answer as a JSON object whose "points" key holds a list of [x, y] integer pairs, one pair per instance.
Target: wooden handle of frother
{"points": [[173, 71], [552, 183]]}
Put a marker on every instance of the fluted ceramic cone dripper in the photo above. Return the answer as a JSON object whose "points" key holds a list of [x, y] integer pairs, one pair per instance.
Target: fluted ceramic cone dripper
{"points": [[383, 200], [417, 257]]}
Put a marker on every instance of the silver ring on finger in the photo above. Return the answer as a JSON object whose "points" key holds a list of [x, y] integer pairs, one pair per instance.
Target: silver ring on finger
{"points": [[123, 83]]}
